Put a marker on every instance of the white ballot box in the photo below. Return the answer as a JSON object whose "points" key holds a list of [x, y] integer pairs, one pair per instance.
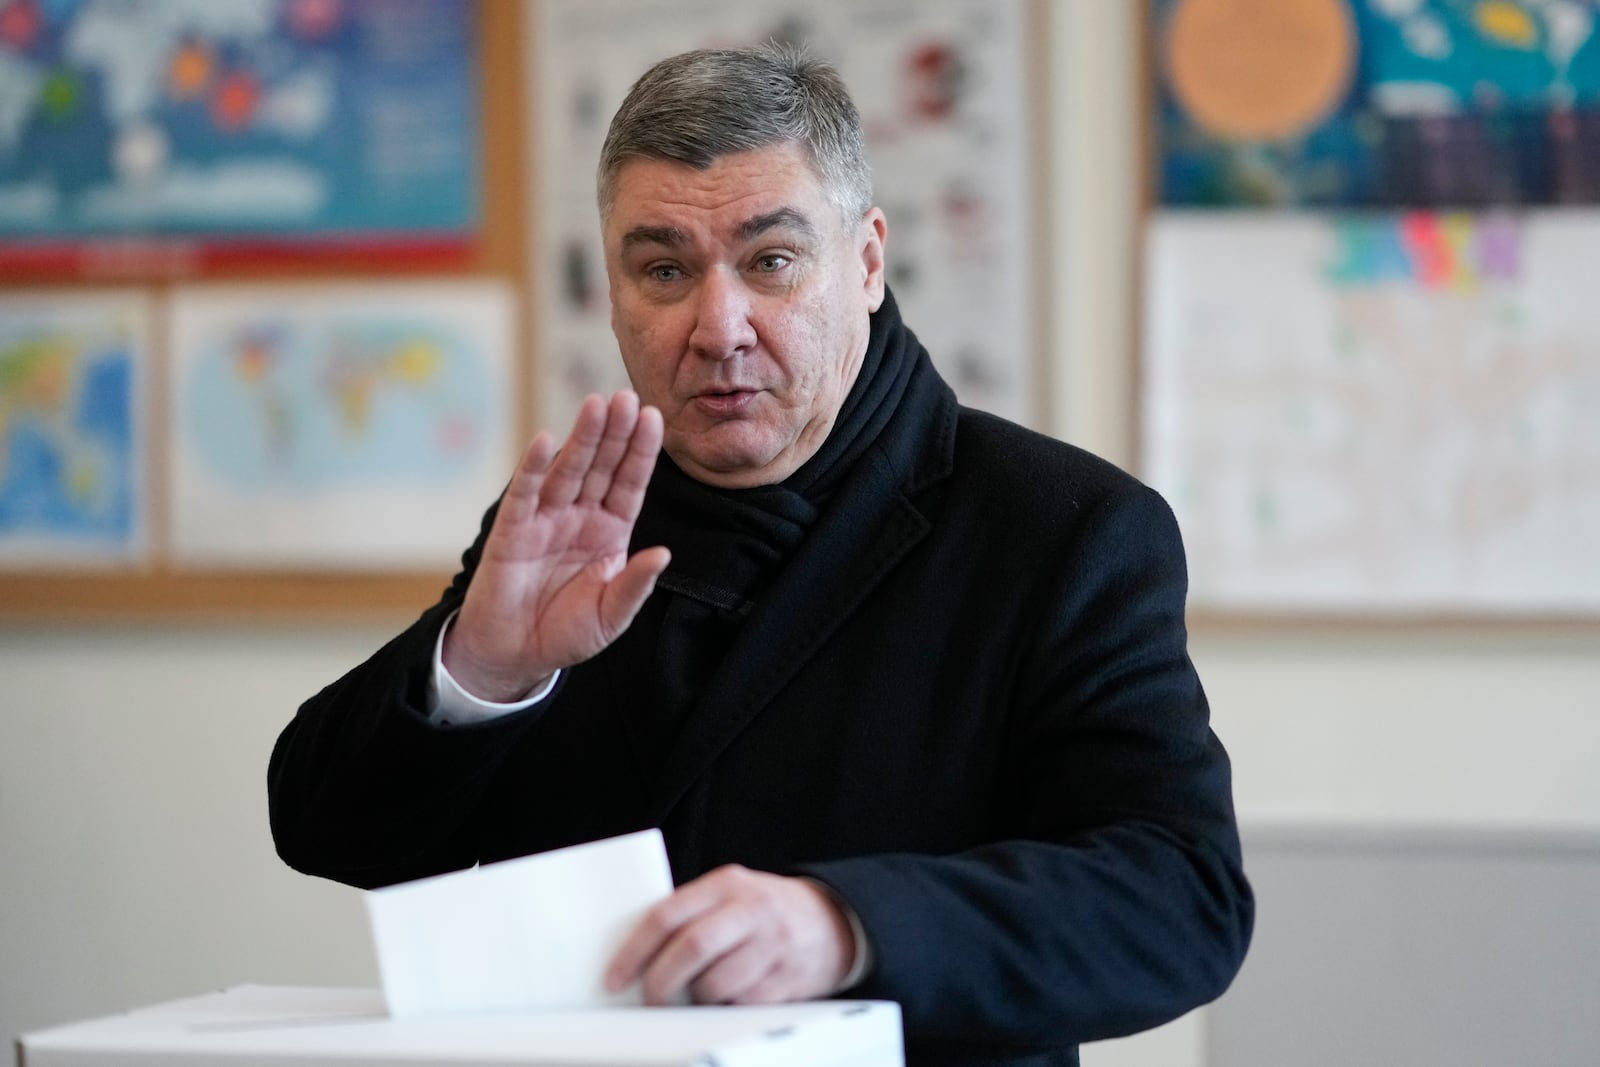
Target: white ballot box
{"points": [[265, 1026]]}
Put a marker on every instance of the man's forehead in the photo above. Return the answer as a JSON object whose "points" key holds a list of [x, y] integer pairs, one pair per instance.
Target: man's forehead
{"points": [[739, 189]]}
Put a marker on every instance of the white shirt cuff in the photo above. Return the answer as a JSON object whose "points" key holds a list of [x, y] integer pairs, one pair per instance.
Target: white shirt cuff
{"points": [[861, 962], [451, 705]]}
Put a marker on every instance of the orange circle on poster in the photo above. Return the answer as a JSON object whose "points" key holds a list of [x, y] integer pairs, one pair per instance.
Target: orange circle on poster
{"points": [[1259, 70]]}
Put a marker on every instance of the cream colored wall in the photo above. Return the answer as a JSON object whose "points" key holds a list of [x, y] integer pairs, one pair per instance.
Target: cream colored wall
{"points": [[135, 863]]}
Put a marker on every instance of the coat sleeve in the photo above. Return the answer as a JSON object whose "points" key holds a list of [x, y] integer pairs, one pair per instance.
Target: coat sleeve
{"points": [[1121, 902], [361, 788]]}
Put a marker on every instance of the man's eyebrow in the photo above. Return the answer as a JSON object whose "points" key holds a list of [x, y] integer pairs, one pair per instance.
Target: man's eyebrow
{"points": [[783, 216], [670, 236]]}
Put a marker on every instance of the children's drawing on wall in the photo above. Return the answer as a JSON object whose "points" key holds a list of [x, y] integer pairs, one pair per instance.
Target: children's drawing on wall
{"points": [[1379, 414]]}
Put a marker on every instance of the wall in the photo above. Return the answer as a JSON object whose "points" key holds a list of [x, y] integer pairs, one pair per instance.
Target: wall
{"points": [[135, 863], [134, 858]]}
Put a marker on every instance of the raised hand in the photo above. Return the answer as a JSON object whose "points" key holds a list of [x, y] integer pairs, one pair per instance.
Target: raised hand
{"points": [[555, 585]]}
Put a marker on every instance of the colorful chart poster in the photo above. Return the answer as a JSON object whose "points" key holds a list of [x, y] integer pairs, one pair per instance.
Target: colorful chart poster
{"points": [[345, 426], [942, 90], [1379, 414], [183, 133], [1377, 103], [73, 368]]}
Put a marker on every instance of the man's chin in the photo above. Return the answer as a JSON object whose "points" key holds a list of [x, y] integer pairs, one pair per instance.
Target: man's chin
{"points": [[733, 464]]}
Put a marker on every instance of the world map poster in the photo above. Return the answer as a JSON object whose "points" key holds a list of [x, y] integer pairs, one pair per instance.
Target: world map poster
{"points": [[351, 426], [73, 368], [179, 134]]}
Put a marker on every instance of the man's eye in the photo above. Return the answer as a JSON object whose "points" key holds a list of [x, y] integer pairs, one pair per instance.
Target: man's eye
{"points": [[771, 263], [663, 272]]}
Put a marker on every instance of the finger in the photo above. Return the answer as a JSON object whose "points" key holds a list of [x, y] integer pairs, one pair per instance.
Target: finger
{"points": [[522, 492], [742, 975], [638, 463], [565, 480], [626, 593], [777, 986], [692, 949], [622, 415], [652, 932]]}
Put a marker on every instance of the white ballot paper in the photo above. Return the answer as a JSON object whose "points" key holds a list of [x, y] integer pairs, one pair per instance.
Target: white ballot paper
{"points": [[519, 935]]}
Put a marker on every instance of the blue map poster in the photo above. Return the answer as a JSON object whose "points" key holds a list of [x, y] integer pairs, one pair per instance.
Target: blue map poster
{"points": [[1440, 103], [187, 133], [72, 455]]}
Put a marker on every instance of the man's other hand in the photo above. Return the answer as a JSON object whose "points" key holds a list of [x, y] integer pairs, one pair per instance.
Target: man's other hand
{"points": [[737, 936], [555, 585]]}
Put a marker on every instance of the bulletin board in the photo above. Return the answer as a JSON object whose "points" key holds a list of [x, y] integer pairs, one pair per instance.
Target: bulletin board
{"points": [[304, 411], [262, 348], [1370, 354]]}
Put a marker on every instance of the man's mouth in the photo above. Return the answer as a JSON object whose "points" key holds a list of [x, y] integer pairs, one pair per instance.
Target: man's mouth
{"points": [[723, 403]]}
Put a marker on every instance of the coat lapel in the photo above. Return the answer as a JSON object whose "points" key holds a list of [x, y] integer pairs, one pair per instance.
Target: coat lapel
{"points": [[869, 527]]}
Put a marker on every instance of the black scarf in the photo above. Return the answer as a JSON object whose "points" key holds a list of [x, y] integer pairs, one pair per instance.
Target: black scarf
{"points": [[728, 543]]}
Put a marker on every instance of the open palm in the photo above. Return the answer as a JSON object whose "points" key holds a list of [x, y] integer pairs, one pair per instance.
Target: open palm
{"points": [[555, 585]]}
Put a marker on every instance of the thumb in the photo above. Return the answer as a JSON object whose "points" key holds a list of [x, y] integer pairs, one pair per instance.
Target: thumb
{"points": [[624, 594]]}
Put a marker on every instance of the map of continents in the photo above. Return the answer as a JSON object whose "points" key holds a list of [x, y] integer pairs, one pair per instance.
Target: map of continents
{"points": [[68, 469], [334, 404]]}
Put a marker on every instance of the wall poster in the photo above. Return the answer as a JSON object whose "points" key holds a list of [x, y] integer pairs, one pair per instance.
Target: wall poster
{"points": [[348, 426], [170, 136], [1377, 103], [74, 370], [1381, 414]]}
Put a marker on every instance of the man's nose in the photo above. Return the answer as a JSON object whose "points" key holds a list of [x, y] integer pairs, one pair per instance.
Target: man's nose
{"points": [[722, 326]]}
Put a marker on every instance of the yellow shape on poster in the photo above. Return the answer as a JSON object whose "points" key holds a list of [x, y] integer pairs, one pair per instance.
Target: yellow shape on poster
{"points": [[1507, 23]]}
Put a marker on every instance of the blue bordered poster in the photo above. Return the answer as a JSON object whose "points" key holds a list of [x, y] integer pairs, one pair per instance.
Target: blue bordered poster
{"points": [[182, 133]]}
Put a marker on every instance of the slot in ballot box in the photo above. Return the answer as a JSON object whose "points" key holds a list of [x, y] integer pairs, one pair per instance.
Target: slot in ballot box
{"points": [[269, 1026]]}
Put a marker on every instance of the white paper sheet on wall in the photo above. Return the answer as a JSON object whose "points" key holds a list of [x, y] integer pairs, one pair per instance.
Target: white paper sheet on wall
{"points": [[1378, 414]]}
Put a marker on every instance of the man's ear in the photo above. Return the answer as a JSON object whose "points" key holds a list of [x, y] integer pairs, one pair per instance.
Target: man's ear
{"points": [[873, 232]]}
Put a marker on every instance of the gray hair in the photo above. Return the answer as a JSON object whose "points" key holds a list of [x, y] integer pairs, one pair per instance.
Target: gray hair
{"points": [[696, 107]]}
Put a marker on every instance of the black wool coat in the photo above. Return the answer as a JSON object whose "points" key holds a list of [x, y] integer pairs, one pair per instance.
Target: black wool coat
{"points": [[965, 704]]}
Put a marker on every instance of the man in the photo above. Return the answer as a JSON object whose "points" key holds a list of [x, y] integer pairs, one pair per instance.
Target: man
{"points": [[905, 686]]}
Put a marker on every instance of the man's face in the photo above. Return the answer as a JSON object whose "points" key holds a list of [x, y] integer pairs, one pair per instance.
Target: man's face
{"points": [[740, 302]]}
